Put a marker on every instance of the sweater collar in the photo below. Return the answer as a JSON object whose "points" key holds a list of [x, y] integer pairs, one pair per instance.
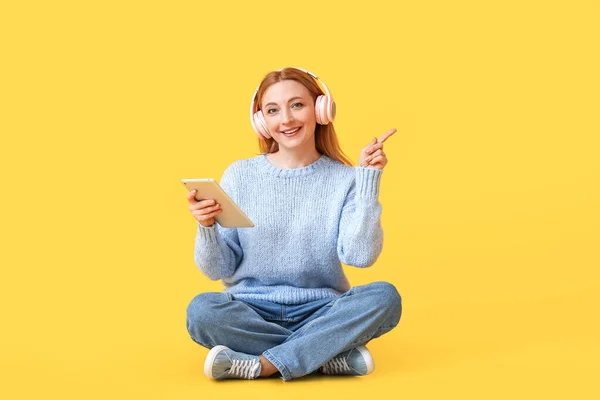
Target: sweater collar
{"points": [[310, 169]]}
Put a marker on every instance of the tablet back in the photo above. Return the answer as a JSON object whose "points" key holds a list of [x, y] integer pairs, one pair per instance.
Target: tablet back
{"points": [[232, 216]]}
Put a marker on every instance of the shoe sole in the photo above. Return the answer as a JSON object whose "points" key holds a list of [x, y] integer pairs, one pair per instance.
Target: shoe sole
{"points": [[368, 358], [210, 359]]}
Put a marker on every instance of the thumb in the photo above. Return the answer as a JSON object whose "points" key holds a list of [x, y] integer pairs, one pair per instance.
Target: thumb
{"points": [[192, 197]]}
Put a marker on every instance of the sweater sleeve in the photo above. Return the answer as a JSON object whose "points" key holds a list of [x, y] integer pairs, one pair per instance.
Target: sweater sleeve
{"points": [[217, 251], [360, 238]]}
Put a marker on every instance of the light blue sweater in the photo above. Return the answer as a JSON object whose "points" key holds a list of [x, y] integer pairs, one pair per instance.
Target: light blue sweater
{"points": [[306, 221]]}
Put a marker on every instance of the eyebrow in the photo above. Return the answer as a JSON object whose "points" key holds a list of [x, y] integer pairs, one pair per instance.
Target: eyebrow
{"points": [[293, 98]]}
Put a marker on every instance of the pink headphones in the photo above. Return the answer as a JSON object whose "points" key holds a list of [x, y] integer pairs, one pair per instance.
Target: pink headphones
{"points": [[324, 109]]}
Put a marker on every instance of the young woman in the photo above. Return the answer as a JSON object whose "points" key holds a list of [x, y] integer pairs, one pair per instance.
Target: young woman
{"points": [[287, 306]]}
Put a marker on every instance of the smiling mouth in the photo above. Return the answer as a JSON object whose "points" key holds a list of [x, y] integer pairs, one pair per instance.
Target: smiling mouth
{"points": [[290, 132]]}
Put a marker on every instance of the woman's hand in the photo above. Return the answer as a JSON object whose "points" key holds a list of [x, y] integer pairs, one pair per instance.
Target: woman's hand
{"points": [[204, 211], [373, 156]]}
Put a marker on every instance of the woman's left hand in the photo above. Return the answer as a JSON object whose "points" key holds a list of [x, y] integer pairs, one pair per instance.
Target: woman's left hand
{"points": [[372, 156]]}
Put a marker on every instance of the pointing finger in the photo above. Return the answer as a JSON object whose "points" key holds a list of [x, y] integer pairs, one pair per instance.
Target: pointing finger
{"points": [[386, 135]]}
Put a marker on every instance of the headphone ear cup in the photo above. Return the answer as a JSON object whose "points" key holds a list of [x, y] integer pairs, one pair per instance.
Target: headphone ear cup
{"points": [[319, 111], [331, 110], [260, 125], [324, 110]]}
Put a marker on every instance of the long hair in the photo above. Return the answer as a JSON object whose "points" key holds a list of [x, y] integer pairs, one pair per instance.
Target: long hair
{"points": [[326, 140]]}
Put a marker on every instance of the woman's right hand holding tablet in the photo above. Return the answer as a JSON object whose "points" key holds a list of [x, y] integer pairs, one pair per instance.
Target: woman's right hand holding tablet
{"points": [[204, 211]]}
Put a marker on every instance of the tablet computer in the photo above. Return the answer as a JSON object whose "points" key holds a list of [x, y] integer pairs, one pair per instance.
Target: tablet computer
{"points": [[232, 216]]}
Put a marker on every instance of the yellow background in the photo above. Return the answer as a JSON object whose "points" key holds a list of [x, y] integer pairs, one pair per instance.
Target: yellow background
{"points": [[490, 196]]}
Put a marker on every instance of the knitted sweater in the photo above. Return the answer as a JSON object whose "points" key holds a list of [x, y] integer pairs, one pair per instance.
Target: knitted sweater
{"points": [[307, 221]]}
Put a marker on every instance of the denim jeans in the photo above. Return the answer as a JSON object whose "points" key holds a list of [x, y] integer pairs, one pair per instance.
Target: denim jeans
{"points": [[297, 339]]}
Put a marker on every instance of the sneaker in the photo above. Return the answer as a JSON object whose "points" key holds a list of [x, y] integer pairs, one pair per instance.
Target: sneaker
{"points": [[224, 363], [356, 361]]}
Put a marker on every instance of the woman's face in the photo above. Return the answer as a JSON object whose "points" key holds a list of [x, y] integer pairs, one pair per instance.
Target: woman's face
{"points": [[289, 111]]}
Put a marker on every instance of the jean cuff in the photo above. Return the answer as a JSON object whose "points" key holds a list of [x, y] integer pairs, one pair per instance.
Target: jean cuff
{"points": [[285, 373]]}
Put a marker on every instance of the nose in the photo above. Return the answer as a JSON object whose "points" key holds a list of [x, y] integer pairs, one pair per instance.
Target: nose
{"points": [[286, 116]]}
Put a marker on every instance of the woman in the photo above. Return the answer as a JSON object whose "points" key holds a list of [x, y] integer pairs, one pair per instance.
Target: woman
{"points": [[287, 307]]}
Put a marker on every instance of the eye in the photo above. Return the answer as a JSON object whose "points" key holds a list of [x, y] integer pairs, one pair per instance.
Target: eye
{"points": [[297, 105], [271, 111]]}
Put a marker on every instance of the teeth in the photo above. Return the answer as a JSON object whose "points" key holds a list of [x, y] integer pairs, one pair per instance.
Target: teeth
{"points": [[292, 131]]}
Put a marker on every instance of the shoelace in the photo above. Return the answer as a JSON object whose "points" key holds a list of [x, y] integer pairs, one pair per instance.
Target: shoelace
{"points": [[336, 366], [243, 368]]}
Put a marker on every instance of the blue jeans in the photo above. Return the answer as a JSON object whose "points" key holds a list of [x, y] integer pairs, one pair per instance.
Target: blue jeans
{"points": [[296, 339]]}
